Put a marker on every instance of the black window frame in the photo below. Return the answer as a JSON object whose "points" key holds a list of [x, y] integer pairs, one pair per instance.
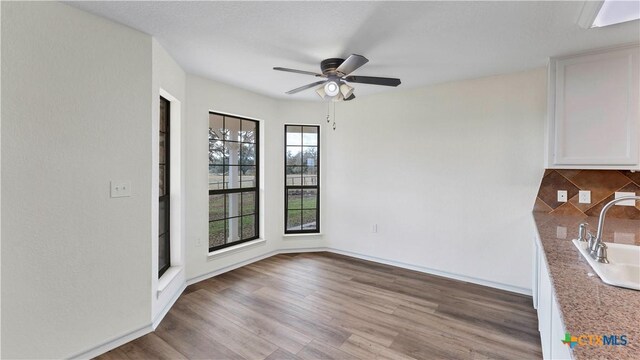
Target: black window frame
{"points": [[302, 187], [255, 189], [166, 198]]}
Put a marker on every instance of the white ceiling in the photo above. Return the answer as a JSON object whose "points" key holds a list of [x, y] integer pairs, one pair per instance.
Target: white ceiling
{"points": [[421, 43]]}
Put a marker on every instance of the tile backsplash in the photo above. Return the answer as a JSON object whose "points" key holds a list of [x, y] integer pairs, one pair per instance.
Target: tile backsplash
{"points": [[602, 184]]}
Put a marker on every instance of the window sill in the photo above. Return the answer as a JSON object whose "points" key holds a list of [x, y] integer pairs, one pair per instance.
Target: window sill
{"points": [[234, 249], [301, 234], [167, 277]]}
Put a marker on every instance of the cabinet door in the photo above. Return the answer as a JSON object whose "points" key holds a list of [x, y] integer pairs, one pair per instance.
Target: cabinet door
{"points": [[594, 110], [544, 307], [559, 350]]}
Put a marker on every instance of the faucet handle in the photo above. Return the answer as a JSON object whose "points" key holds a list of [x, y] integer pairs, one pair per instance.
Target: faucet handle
{"points": [[601, 253], [592, 242], [583, 232]]}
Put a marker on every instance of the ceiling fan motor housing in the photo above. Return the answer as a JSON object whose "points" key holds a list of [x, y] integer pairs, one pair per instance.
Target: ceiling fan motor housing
{"points": [[329, 66]]}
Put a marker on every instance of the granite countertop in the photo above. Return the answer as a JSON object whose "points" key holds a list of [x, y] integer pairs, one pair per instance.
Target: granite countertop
{"points": [[587, 305]]}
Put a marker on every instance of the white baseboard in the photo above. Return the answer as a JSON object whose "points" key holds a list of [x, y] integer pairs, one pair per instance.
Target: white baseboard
{"points": [[118, 341], [225, 269], [168, 307], [113, 343], [426, 270]]}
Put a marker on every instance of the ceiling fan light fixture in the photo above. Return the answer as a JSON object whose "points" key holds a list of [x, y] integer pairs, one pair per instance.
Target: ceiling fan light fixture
{"points": [[331, 88], [346, 90], [320, 92]]}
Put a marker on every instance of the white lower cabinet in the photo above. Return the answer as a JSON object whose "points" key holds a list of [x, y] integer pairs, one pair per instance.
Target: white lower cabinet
{"points": [[558, 349], [550, 323]]}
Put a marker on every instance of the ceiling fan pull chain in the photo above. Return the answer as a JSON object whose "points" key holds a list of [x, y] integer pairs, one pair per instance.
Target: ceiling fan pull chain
{"points": [[328, 111], [334, 115]]}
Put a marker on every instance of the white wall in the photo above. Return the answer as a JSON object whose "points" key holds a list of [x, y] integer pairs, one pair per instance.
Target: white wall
{"points": [[76, 113], [449, 173]]}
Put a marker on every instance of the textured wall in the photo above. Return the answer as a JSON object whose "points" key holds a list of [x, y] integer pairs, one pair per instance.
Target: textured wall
{"points": [[76, 113], [602, 184], [447, 172]]}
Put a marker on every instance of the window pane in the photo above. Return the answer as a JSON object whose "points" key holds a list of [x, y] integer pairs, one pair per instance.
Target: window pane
{"points": [[294, 155], [216, 207], [163, 249], [248, 227], [310, 176], [294, 220], [309, 199], [162, 217], [216, 177], [232, 128], [248, 203], [248, 154], [310, 156], [248, 176], [308, 219], [310, 135], [233, 205], [162, 177], [233, 229], [162, 148], [248, 131], [232, 177], [294, 199], [216, 128], [294, 135], [217, 153], [163, 115], [232, 152], [294, 175], [216, 233]]}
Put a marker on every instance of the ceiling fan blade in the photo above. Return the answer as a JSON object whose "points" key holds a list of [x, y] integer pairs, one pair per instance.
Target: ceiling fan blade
{"points": [[297, 71], [353, 96], [308, 86], [373, 80], [352, 63]]}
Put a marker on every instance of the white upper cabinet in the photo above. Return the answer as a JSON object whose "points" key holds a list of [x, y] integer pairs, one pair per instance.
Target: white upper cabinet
{"points": [[594, 110]]}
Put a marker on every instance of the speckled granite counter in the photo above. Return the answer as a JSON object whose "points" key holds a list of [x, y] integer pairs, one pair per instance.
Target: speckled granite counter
{"points": [[587, 305]]}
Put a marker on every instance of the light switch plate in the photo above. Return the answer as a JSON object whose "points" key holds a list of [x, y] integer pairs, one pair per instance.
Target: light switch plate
{"points": [[120, 188], [584, 197], [620, 194], [562, 195]]}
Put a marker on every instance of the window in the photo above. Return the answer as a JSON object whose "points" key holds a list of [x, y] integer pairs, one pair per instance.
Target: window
{"points": [[233, 180], [164, 256], [302, 173]]}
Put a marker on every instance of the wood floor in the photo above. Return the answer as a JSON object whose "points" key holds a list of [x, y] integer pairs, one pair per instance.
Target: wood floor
{"points": [[328, 306]]}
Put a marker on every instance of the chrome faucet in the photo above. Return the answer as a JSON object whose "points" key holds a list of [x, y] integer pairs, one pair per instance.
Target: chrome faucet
{"points": [[597, 247]]}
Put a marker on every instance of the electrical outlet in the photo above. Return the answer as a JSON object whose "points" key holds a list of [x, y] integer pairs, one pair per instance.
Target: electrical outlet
{"points": [[562, 195], [620, 194], [120, 189], [584, 197]]}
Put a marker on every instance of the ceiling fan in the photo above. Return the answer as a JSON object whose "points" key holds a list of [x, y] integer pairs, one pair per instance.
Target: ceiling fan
{"points": [[336, 74]]}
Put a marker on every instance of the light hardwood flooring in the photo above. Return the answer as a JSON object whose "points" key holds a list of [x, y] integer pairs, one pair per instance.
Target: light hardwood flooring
{"points": [[328, 306]]}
